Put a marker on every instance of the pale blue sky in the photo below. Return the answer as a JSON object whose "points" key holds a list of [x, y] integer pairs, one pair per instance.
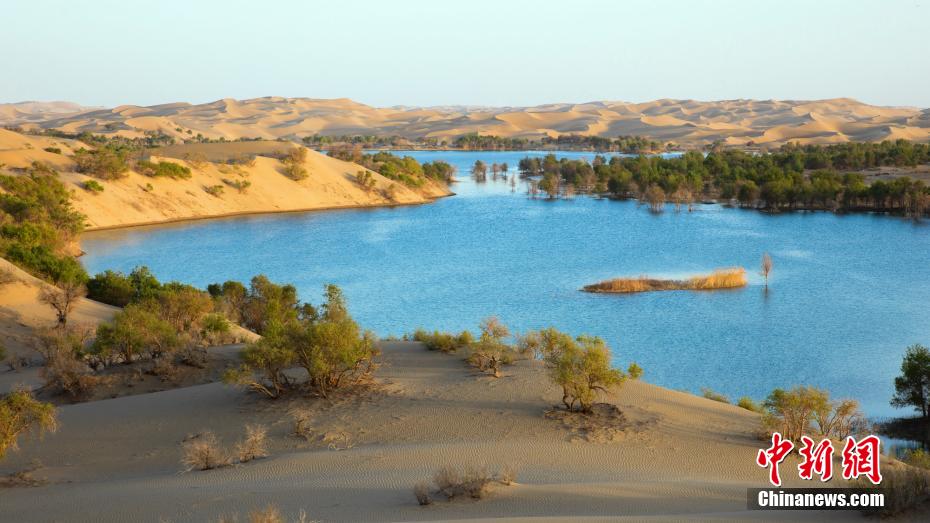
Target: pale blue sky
{"points": [[471, 52]]}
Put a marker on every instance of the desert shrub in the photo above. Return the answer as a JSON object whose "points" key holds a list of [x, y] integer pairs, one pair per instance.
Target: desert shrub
{"points": [[198, 160], [421, 492], [634, 371], [441, 341], [6, 276], [148, 187], [62, 298], [365, 179], [66, 373], [53, 150], [21, 414], [794, 411], [239, 185], [163, 169], [183, 306], [293, 163], [116, 288], [714, 396], [135, 331], [214, 327], [269, 514], [747, 403], [919, 458], [203, 452], [473, 482], [214, 190], [303, 423], [906, 488], [582, 368], [37, 221], [329, 345], [490, 352], [92, 186], [104, 162], [255, 444]]}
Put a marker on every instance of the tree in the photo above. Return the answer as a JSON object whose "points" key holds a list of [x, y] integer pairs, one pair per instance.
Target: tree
{"points": [[479, 171], [766, 268], [656, 198], [490, 351], [21, 413], [582, 368], [912, 387], [62, 298]]}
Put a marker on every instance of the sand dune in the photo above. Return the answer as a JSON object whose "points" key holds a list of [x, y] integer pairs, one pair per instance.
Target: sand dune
{"points": [[689, 123], [137, 199], [672, 456]]}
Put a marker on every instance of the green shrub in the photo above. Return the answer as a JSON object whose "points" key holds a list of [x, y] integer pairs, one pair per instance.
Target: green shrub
{"points": [[21, 414], [919, 458], [214, 190], [163, 169], [104, 162], [747, 403], [92, 186], [329, 346], [634, 371], [582, 368], [803, 410], [714, 396], [54, 150], [239, 185]]}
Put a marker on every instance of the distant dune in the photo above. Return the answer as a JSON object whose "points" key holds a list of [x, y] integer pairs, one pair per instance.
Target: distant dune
{"points": [[689, 123], [138, 199]]}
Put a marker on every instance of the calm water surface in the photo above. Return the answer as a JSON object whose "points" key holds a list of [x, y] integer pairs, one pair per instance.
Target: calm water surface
{"points": [[847, 294]]}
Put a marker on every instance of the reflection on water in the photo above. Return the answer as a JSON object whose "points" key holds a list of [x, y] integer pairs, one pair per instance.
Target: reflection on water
{"points": [[848, 293]]}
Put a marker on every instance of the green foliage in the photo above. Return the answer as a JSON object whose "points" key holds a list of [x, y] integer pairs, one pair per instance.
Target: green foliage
{"points": [[294, 164], [214, 190], [37, 221], [240, 185], [714, 396], [116, 288], [582, 368], [794, 176], [441, 341], [794, 413], [163, 169], [912, 387], [405, 170], [329, 345], [747, 403], [92, 186], [106, 163], [634, 371], [20, 414], [134, 332], [919, 458]]}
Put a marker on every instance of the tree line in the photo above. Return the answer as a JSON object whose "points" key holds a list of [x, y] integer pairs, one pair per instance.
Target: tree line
{"points": [[794, 177]]}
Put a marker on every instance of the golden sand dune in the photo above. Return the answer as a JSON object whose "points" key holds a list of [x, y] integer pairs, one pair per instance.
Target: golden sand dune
{"points": [[670, 455], [137, 199], [687, 122]]}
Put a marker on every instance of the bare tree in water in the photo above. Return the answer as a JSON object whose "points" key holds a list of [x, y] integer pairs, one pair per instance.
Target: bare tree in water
{"points": [[766, 268]]}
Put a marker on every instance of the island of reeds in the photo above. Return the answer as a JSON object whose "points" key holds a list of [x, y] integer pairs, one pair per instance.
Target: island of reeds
{"points": [[727, 278]]}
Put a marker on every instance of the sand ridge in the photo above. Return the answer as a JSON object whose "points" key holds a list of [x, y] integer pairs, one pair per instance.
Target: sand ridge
{"points": [[675, 456], [689, 123]]}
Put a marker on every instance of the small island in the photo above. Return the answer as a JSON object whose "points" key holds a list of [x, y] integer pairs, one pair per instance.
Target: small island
{"points": [[727, 278]]}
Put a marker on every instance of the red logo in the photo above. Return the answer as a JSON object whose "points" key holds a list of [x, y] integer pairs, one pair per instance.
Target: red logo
{"points": [[860, 458]]}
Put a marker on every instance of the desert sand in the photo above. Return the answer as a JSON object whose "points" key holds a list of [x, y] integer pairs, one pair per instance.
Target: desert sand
{"points": [[688, 123], [129, 200], [669, 456]]}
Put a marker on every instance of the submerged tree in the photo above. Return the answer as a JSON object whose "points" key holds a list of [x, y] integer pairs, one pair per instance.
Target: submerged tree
{"points": [[766, 268], [912, 387], [479, 171]]}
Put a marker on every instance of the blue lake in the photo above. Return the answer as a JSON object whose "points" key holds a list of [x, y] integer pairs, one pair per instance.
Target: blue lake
{"points": [[847, 293]]}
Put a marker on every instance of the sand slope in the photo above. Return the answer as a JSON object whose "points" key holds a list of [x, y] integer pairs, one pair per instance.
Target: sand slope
{"points": [[675, 456], [138, 199], [686, 122]]}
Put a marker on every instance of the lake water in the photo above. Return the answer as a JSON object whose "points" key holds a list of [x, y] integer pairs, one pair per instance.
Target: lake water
{"points": [[847, 294]]}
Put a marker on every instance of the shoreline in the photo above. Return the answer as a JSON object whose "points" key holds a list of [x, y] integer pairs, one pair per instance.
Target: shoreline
{"points": [[238, 214]]}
